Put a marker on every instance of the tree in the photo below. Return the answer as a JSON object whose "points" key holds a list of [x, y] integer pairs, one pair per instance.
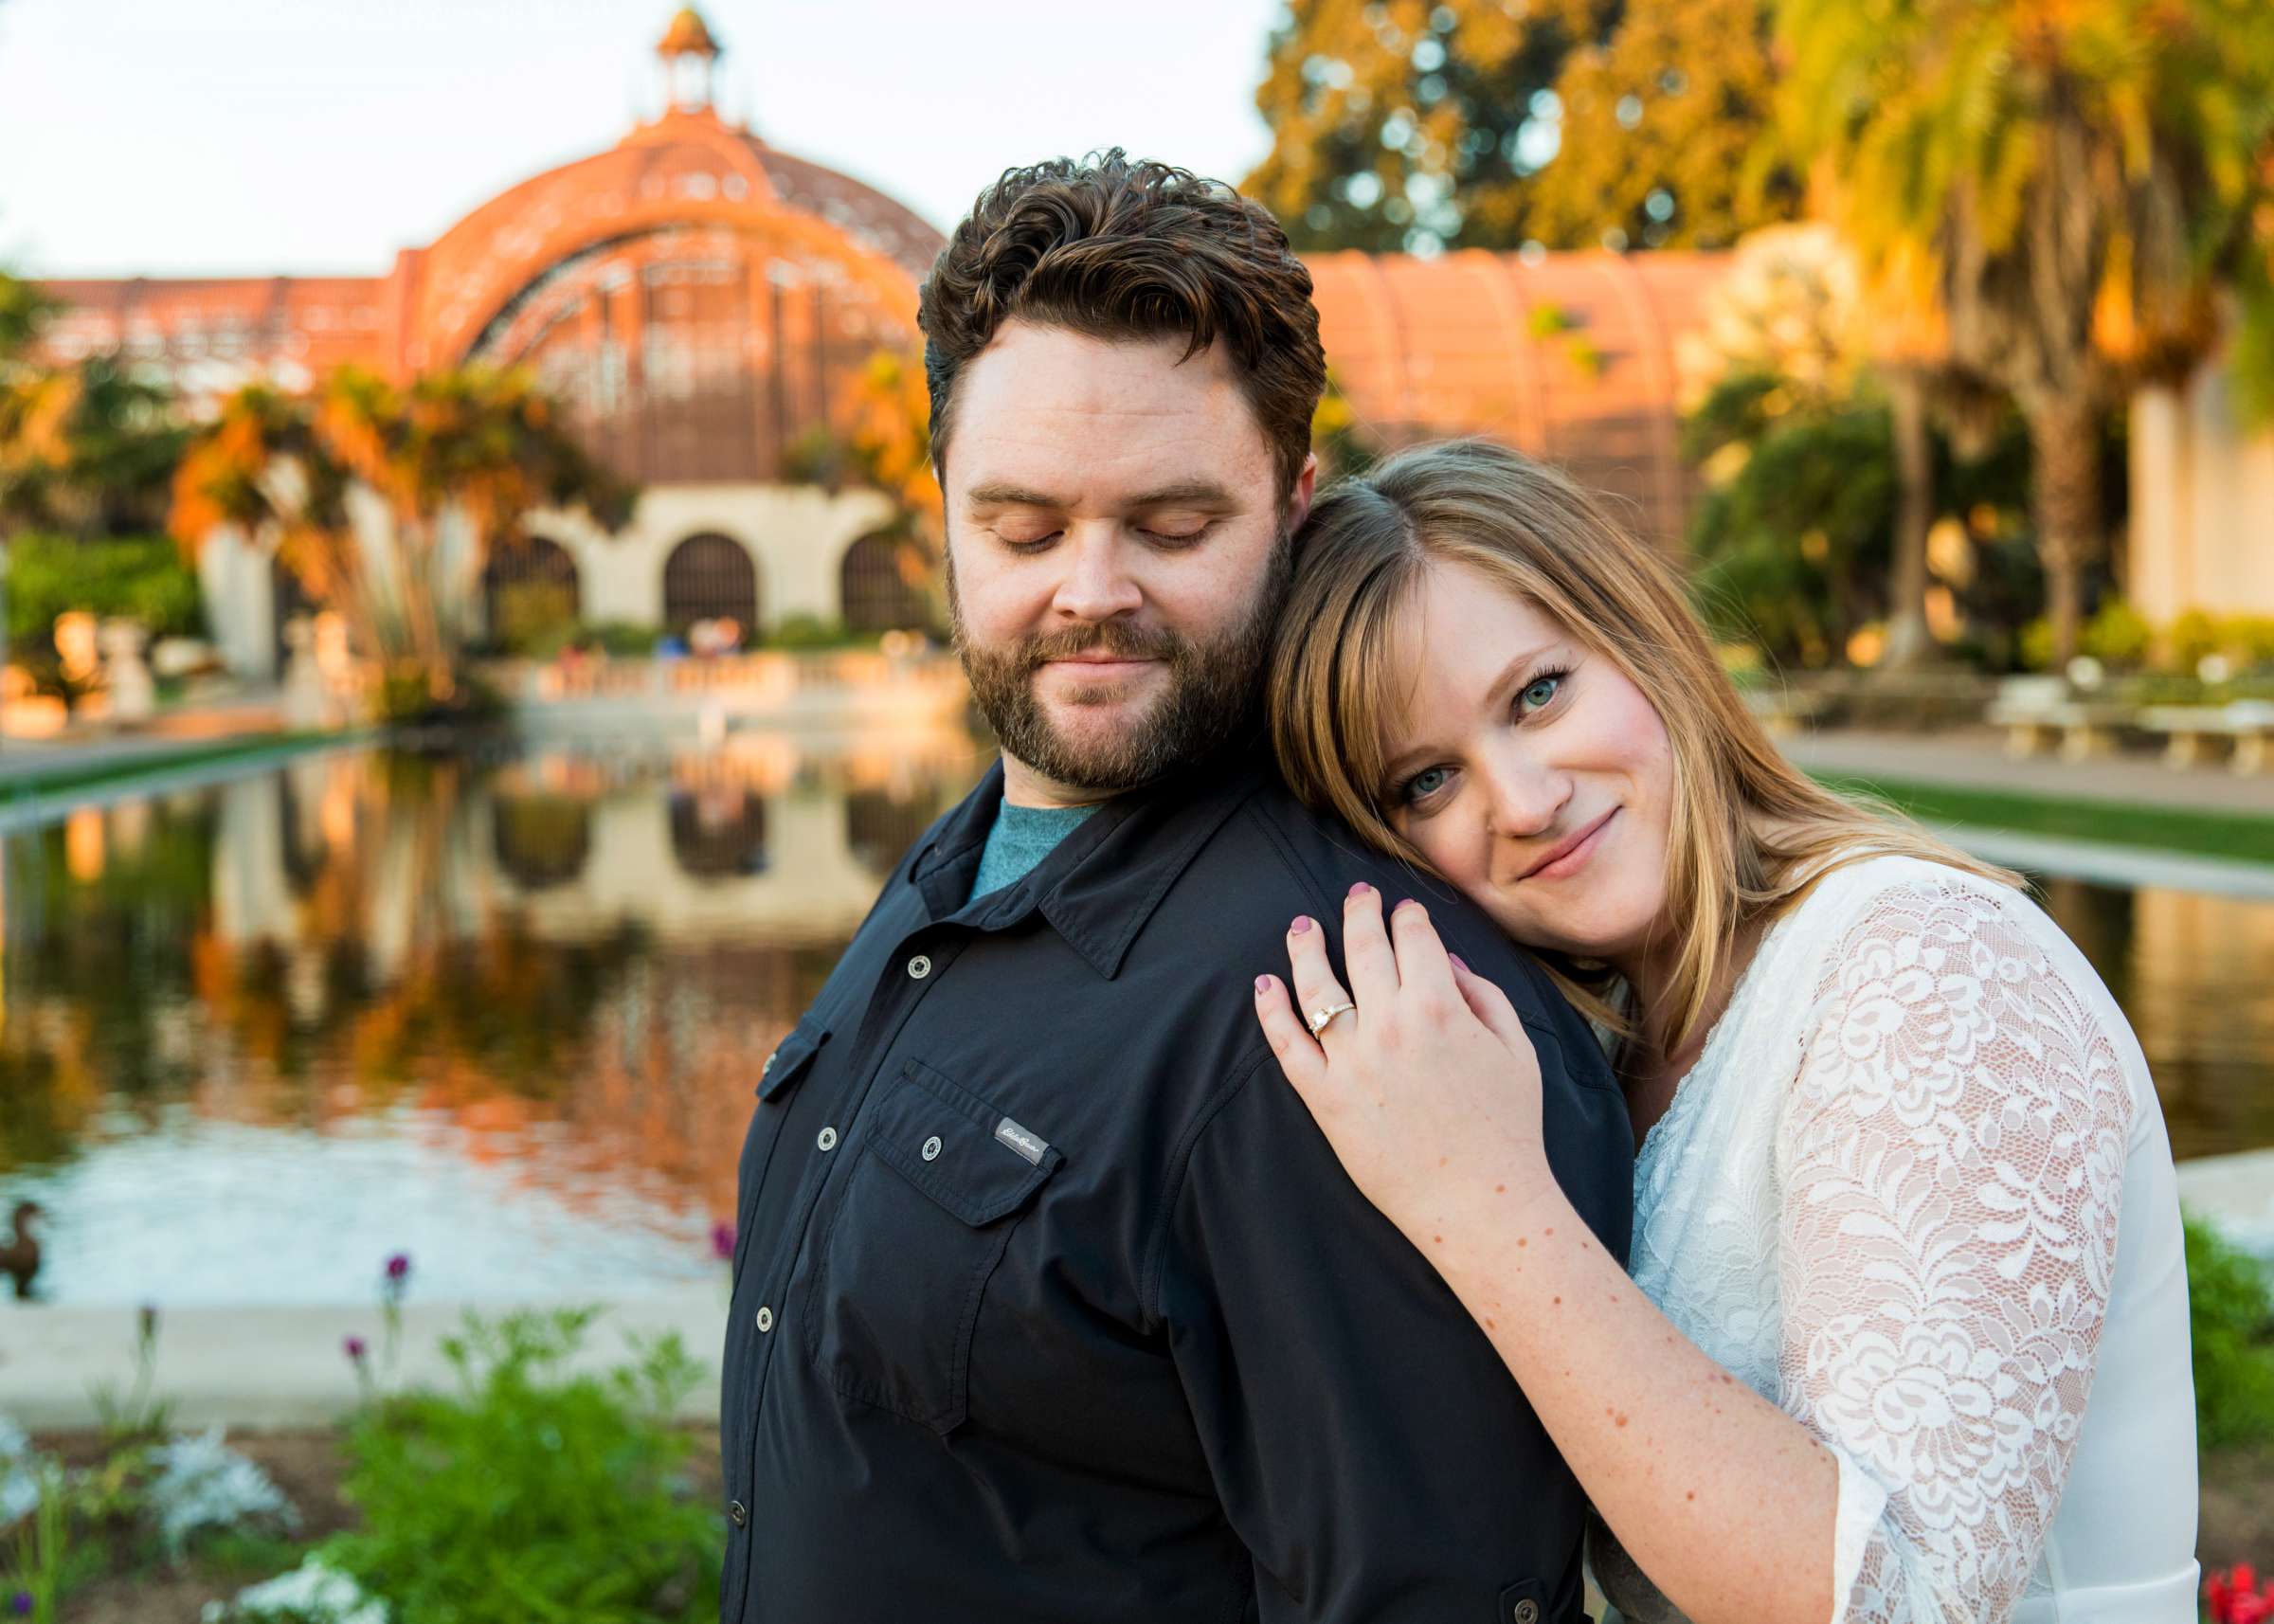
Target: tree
{"points": [[1398, 124], [469, 452], [2074, 184]]}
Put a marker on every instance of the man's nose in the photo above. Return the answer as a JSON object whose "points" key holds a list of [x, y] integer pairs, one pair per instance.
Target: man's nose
{"points": [[1097, 584]]}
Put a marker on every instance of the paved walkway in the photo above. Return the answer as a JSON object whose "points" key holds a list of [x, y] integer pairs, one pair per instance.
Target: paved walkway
{"points": [[1974, 758], [288, 1366], [169, 734]]}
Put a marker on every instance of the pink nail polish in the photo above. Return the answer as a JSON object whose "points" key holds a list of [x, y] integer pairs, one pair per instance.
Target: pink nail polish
{"points": [[1302, 923], [1263, 983], [1360, 889], [1457, 963]]}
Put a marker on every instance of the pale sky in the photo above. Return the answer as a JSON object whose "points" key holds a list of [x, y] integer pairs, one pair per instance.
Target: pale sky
{"points": [[233, 137]]}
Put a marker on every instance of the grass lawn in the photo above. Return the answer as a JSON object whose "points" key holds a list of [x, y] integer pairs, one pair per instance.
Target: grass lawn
{"points": [[2237, 837]]}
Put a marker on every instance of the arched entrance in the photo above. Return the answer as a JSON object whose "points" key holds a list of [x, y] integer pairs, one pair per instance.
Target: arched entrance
{"points": [[881, 587], [707, 576], [530, 594]]}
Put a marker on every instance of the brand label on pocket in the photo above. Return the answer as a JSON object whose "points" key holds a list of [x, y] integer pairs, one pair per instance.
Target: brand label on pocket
{"points": [[1019, 1140]]}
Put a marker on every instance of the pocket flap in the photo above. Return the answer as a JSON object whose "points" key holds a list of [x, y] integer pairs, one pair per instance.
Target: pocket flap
{"points": [[956, 1147], [791, 1057]]}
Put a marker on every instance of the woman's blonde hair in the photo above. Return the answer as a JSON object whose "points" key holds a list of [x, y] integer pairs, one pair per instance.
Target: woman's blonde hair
{"points": [[1750, 833]]}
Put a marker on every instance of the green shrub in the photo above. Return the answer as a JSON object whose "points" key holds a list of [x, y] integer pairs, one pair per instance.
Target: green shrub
{"points": [[2117, 634], [803, 631], [144, 578], [2188, 638], [626, 640], [532, 1494], [2232, 1320]]}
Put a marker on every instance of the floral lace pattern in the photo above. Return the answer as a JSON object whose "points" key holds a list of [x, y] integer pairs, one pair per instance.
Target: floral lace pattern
{"points": [[1893, 1208]]}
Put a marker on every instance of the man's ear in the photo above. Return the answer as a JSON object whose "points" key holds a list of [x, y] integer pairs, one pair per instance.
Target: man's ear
{"points": [[1307, 487]]}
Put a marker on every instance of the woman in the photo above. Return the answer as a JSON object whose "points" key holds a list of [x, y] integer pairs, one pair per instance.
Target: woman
{"points": [[1904, 1201]]}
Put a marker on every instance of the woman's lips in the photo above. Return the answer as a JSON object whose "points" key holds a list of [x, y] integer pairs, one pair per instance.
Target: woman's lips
{"points": [[1571, 855]]}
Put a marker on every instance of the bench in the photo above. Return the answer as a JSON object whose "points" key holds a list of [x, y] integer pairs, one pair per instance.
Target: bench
{"points": [[2040, 714], [2194, 732]]}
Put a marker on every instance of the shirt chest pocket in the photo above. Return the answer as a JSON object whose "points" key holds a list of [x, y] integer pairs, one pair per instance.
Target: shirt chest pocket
{"points": [[912, 1235]]}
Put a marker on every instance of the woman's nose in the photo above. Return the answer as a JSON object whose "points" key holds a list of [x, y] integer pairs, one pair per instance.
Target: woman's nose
{"points": [[1527, 796], [1097, 584]]}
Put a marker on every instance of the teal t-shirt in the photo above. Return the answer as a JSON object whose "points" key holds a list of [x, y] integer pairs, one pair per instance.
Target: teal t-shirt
{"points": [[1023, 837]]}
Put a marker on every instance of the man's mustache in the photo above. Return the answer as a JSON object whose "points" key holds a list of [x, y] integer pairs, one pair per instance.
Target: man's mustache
{"points": [[1117, 638]]}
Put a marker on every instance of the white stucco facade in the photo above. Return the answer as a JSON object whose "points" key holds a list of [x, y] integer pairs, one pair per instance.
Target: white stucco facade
{"points": [[2202, 504], [797, 538]]}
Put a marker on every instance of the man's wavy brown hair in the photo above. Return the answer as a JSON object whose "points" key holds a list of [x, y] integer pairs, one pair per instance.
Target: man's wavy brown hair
{"points": [[1119, 248]]}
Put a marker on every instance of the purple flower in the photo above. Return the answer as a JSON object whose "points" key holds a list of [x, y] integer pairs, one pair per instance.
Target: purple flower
{"points": [[722, 1242], [356, 1349], [398, 1267], [20, 1604]]}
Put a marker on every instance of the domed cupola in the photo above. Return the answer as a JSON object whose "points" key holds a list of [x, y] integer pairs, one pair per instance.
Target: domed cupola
{"points": [[690, 52]]}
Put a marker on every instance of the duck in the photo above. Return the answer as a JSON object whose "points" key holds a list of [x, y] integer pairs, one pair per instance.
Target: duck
{"points": [[19, 1257]]}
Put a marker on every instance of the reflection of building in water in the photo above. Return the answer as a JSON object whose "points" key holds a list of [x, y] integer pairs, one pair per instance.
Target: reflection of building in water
{"points": [[2200, 994]]}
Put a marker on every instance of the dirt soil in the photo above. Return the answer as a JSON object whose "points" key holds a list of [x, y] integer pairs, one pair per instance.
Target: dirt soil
{"points": [[2237, 1509]]}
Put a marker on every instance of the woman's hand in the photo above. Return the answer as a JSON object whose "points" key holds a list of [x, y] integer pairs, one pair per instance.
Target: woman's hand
{"points": [[1428, 1089]]}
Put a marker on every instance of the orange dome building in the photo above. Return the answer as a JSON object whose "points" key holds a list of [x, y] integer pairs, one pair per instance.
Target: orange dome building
{"points": [[700, 300]]}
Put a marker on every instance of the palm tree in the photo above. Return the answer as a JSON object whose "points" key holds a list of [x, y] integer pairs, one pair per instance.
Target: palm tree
{"points": [[2075, 183], [476, 447]]}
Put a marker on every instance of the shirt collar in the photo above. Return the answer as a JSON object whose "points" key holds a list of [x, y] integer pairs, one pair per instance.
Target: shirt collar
{"points": [[1104, 881]]}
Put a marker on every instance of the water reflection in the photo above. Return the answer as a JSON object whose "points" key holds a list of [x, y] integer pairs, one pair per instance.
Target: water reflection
{"points": [[505, 1013]]}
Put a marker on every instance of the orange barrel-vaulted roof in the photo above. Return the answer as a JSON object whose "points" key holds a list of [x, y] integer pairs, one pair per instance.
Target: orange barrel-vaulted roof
{"points": [[1569, 357]]}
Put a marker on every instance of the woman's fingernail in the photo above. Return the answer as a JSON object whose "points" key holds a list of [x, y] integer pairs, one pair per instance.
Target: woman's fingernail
{"points": [[1360, 889], [1404, 904], [1263, 983], [1302, 923], [1458, 963]]}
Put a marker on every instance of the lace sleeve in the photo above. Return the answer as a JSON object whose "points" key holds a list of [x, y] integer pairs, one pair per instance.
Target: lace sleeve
{"points": [[1953, 1153]]}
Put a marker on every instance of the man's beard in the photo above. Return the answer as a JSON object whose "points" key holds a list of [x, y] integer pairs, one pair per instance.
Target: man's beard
{"points": [[1214, 688]]}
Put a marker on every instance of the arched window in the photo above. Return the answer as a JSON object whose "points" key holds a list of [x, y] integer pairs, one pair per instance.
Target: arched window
{"points": [[529, 593], [707, 576], [718, 832], [880, 586]]}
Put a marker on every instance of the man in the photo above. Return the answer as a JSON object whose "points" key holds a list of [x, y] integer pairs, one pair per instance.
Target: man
{"points": [[1052, 1302]]}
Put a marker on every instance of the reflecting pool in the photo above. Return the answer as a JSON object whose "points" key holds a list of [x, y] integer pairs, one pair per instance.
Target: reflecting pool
{"points": [[504, 1012]]}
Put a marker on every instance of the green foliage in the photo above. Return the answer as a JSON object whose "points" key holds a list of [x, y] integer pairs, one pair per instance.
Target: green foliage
{"points": [[2117, 635], [1414, 125], [804, 632], [532, 1494], [142, 577], [1794, 547], [533, 617], [2231, 1316], [624, 639]]}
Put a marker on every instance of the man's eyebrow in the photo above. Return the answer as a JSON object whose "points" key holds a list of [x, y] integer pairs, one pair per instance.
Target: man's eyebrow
{"points": [[1005, 495], [1178, 494], [1186, 493]]}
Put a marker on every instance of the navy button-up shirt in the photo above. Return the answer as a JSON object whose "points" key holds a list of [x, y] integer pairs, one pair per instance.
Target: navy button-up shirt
{"points": [[1053, 1303]]}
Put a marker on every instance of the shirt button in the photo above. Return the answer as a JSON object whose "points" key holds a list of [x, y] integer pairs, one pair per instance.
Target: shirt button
{"points": [[738, 1513], [919, 967], [931, 1148], [765, 1320], [827, 1139], [1527, 1611]]}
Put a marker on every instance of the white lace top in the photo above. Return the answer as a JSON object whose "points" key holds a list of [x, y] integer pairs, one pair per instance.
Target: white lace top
{"points": [[1917, 1192]]}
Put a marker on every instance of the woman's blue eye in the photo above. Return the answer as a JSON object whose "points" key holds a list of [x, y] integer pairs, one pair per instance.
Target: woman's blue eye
{"points": [[1542, 688], [1426, 783]]}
